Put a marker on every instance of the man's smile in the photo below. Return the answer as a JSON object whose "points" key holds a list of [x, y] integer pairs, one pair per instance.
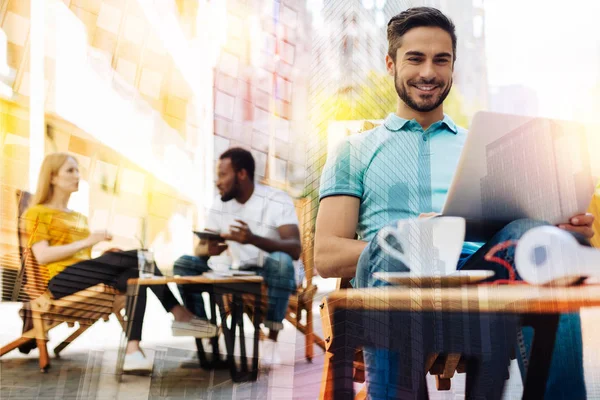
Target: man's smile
{"points": [[426, 89]]}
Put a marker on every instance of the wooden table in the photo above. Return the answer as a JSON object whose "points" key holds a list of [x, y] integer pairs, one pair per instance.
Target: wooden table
{"points": [[477, 321], [216, 286]]}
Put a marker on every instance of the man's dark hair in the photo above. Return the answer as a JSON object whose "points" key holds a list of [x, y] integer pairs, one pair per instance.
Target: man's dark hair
{"points": [[413, 18], [240, 159]]}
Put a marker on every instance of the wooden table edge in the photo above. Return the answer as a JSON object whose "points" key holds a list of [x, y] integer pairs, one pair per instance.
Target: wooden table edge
{"points": [[519, 299], [200, 279]]}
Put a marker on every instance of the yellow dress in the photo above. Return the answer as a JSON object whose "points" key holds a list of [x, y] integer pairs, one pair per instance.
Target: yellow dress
{"points": [[58, 228]]}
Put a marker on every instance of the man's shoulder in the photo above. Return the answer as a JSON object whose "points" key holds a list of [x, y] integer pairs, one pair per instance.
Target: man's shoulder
{"points": [[370, 130], [217, 204], [362, 143], [271, 193]]}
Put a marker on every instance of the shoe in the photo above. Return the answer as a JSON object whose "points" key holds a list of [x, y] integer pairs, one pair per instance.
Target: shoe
{"points": [[268, 356], [136, 363], [196, 327]]}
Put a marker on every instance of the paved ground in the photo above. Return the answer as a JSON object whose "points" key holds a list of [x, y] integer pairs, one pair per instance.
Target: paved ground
{"points": [[86, 368]]}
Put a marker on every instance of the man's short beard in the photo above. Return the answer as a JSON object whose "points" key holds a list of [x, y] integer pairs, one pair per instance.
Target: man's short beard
{"points": [[403, 94], [233, 193]]}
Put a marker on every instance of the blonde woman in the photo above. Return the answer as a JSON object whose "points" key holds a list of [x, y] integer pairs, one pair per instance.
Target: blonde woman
{"points": [[61, 240]]}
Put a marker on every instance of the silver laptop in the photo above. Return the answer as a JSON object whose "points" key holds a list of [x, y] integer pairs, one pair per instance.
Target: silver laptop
{"points": [[514, 167]]}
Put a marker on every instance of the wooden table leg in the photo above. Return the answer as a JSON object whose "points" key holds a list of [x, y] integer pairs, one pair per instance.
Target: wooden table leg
{"points": [[240, 311], [130, 303], [242, 375], [229, 335], [217, 362], [541, 353], [342, 361], [257, 319]]}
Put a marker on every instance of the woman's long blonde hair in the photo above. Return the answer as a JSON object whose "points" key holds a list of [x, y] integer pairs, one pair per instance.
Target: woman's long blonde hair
{"points": [[50, 166]]}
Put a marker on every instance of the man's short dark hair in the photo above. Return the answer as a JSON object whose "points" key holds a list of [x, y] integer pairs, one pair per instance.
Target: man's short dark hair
{"points": [[413, 18], [240, 159]]}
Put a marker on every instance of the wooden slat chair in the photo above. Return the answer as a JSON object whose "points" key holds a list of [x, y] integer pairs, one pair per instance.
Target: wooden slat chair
{"points": [[442, 366], [11, 264], [301, 302], [84, 307]]}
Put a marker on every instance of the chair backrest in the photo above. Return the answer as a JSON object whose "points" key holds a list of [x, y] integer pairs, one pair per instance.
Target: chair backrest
{"points": [[306, 237], [33, 278], [23, 199]]}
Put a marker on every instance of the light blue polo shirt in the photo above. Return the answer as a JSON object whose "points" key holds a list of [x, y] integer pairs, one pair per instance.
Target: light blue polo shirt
{"points": [[397, 170]]}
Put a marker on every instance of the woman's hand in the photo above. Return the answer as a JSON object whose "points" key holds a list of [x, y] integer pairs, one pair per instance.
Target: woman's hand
{"points": [[97, 237]]}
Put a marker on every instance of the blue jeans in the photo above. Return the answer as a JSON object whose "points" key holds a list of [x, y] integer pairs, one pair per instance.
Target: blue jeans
{"points": [[277, 271], [565, 380]]}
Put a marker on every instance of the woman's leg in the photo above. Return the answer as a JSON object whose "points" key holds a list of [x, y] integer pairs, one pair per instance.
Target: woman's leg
{"points": [[112, 269], [162, 292], [106, 269]]}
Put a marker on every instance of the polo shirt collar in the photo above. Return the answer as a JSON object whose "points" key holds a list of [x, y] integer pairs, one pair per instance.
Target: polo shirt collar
{"points": [[395, 123], [450, 124]]}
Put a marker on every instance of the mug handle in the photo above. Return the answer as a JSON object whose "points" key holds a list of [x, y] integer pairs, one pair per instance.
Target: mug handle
{"points": [[385, 246]]}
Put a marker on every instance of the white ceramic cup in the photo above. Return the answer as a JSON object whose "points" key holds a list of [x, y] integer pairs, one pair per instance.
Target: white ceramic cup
{"points": [[220, 263], [429, 245]]}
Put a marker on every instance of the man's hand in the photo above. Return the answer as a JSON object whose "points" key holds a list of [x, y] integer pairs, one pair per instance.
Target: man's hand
{"points": [[209, 248], [581, 224], [239, 233], [429, 215]]}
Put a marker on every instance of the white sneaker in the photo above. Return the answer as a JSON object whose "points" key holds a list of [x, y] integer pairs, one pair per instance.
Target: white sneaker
{"points": [[268, 355], [196, 327], [136, 363]]}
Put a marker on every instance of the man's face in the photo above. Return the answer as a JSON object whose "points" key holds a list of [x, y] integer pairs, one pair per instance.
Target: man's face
{"points": [[227, 180], [423, 68]]}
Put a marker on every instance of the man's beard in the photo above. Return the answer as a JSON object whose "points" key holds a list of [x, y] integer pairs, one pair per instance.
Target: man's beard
{"points": [[402, 91], [233, 193]]}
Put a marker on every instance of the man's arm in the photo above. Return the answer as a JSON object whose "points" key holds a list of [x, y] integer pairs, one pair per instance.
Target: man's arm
{"points": [[288, 242], [336, 250]]}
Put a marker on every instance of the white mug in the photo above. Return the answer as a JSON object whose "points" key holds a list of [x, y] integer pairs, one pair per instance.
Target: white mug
{"points": [[220, 263], [426, 243]]}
